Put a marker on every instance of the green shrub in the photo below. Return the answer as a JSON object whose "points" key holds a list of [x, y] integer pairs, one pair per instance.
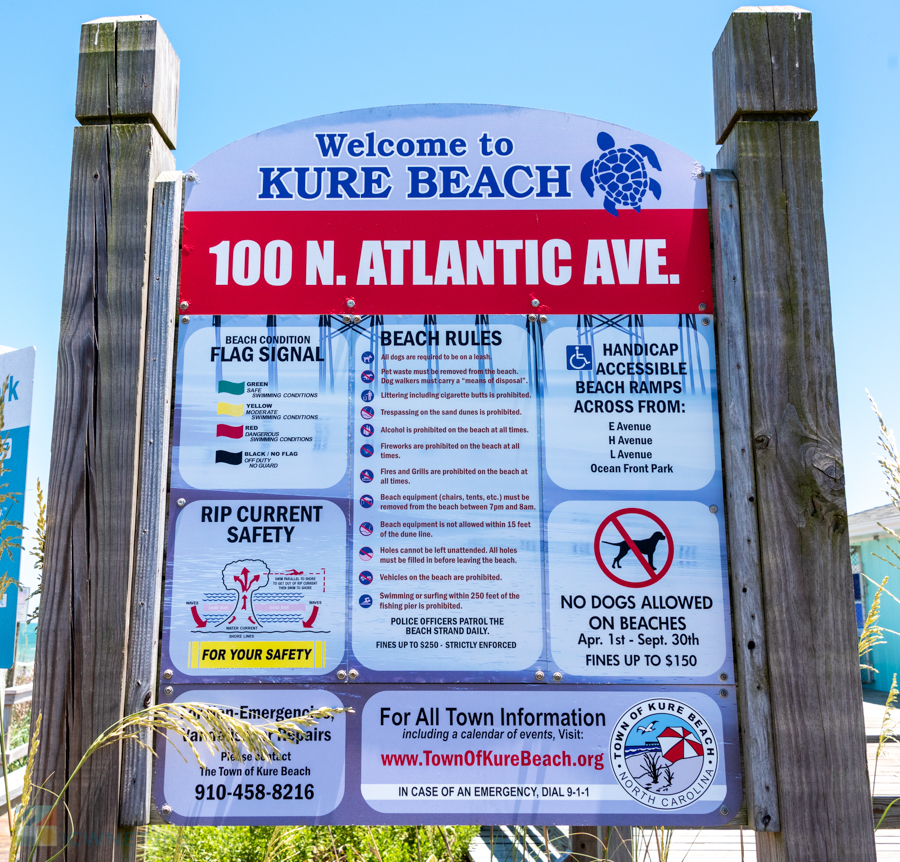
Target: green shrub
{"points": [[319, 843]]}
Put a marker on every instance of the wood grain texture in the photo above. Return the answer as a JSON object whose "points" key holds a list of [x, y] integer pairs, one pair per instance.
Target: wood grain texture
{"points": [[70, 501], [793, 64], [128, 71], [763, 64], [810, 626], [760, 786], [79, 684], [147, 76], [143, 634], [740, 84], [95, 90]]}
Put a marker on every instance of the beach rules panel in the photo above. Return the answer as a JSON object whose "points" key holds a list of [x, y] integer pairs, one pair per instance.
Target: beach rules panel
{"points": [[446, 415]]}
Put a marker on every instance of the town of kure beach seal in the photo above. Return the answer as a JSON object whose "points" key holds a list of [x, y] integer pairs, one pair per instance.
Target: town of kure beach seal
{"points": [[663, 753]]}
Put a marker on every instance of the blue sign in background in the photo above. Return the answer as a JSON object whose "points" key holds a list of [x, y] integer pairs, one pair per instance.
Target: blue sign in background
{"points": [[14, 510], [16, 367]]}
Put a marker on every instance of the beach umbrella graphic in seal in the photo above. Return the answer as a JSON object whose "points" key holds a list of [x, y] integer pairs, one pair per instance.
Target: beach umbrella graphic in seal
{"points": [[678, 743]]}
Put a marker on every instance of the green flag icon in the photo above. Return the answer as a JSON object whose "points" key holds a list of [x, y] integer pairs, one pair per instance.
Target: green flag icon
{"points": [[231, 388]]}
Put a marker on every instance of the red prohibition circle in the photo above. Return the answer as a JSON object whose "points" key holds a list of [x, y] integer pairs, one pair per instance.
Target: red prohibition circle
{"points": [[654, 577]]}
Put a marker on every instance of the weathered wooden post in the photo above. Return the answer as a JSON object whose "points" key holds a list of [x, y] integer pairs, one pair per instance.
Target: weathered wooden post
{"points": [[751, 651], [127, 102], [765, 95], [143, 628]]}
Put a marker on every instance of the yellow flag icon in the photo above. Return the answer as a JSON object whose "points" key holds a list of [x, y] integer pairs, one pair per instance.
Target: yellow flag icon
{"points": [[230, 409]]}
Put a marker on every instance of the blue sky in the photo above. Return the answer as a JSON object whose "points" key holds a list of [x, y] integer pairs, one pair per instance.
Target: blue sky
{"points": [[645, 65]]}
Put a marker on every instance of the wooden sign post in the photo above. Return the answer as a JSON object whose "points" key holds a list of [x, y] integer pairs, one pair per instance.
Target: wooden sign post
{"points": [[127, 102], [765, 95]]}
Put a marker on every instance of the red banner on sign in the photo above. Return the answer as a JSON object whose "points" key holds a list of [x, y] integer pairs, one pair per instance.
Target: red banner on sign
{"points": [[439, 262]]}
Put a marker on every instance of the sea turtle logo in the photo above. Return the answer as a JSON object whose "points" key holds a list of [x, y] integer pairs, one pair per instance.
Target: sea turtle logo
{"points": [[664, 754], [621, 174]]}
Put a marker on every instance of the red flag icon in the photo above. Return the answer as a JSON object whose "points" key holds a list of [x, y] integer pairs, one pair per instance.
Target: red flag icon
{"points": [[235, 432]]}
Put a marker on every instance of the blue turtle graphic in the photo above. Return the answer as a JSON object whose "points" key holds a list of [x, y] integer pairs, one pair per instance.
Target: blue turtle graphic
{"points": [[621, 174]]}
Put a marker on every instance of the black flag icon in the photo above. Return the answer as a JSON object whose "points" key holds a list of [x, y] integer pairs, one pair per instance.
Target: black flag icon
{"points": [[223, 457]]}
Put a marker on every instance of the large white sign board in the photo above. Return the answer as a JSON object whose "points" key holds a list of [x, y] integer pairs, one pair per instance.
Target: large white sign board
{"points": [[446, 414]]}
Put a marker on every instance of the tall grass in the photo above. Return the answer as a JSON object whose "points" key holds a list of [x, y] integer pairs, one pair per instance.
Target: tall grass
{"points": [[873, 634], [319, 843], [40, 540], [209, 725]]}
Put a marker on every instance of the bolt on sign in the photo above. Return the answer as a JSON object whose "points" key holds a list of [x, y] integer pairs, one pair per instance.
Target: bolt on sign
{"points": [[446, 451]]}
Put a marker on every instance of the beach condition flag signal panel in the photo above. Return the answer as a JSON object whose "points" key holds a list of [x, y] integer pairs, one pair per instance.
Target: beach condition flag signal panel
{"points": [[446, 451], [233, 430]]}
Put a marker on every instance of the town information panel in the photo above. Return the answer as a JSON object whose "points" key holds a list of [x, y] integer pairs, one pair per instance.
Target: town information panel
{"points": [[446, 451]]}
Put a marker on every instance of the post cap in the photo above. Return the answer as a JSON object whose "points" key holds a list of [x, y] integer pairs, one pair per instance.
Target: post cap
{"points": [[128, 72], [763, 65]]}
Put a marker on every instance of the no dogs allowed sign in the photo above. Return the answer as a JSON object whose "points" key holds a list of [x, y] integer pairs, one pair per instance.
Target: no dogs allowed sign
{"points": [[626, 539], [445, 449]]}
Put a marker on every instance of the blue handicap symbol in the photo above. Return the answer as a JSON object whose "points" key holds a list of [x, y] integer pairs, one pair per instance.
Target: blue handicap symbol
{"points": [[579, 357]]}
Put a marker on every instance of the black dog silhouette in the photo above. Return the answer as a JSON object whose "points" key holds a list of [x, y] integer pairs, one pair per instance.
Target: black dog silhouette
{"points": [[646, 546]]}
